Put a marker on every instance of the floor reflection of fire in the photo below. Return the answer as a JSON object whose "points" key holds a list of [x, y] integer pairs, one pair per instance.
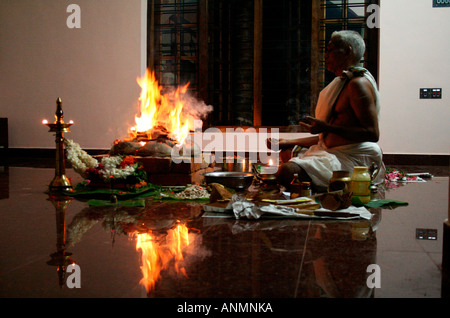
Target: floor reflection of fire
{"points": [[159, 252]]}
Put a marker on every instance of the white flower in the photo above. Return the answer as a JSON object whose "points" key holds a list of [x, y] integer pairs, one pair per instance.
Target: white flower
{"points": [[112, 168], [78, 158]]}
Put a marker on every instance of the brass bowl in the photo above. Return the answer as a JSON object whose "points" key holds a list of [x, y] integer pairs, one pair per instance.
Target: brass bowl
{"points": [[230, 179], [268, 178]]}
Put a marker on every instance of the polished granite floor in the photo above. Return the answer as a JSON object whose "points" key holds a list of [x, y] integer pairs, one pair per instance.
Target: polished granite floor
{"points": [[186, 254]]}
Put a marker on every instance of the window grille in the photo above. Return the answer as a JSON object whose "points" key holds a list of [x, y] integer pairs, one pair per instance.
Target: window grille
{"points": [[339, 15], [175, 42], [259, 63]]}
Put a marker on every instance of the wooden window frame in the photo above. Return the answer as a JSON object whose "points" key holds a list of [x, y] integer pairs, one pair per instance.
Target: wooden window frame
{"points": [[317, 51]]}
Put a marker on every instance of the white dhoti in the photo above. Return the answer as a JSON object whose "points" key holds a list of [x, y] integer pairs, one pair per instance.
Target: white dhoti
{"points": [[320, 162]]}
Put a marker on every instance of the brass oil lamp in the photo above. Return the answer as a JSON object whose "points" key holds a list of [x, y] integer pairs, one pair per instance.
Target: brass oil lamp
{"points": [[60, 182]]}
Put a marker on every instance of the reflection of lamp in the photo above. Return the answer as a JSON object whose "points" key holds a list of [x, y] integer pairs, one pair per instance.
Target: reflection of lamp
{"points": [[60, 258], [60, 181]]}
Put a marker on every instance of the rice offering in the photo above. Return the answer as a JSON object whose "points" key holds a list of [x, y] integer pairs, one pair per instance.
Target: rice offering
{"points": [[193, 191]]}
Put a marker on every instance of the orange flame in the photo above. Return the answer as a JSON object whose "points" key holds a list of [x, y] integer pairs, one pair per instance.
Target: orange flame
{"points": [[158, 255], [159, 109]]}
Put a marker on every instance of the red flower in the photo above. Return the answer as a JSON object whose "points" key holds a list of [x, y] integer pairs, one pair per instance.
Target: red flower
{"points": [[140, 184], [127, 161]]}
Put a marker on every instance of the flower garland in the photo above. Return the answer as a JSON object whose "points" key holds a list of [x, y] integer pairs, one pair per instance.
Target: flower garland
{"points": [[115, 167], [78, 158], [116, 221], [109, 169]]}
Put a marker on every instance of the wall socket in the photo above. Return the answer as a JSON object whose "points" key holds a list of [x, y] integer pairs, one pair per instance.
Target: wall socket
{"points": [[426, 234], [430, 93]]}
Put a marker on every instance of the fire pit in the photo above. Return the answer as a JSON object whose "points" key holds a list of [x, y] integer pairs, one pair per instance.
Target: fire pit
{"points": [[166, 121]]}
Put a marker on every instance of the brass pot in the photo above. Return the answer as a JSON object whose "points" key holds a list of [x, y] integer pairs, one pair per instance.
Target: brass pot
{"points": [[340, 181]]}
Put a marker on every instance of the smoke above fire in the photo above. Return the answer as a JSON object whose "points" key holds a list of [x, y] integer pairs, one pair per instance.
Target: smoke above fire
{"points": [[194, 108]]}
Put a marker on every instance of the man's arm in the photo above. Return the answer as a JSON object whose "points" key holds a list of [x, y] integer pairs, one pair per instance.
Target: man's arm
{"points": [[290, 143]]}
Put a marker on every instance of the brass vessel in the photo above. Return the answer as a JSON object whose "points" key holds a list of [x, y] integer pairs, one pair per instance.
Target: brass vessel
{"points": [[59, 127], [340, 180]]}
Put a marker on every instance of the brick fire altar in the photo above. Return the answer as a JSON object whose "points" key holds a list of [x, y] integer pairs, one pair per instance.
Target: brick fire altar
{"points": [[163, 171]]}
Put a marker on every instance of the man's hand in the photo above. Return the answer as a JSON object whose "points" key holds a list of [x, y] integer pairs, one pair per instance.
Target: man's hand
{"points": [[280, 144], [284, 144], [314, 125], [272, 141]]}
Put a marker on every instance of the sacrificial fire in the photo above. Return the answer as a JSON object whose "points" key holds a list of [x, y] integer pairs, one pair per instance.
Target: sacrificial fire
{"points": [[161, 112], [166, 118], [173, 111]]}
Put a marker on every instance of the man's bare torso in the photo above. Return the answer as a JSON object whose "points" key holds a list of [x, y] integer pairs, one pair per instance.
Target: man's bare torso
{"points": [[350, 111]]}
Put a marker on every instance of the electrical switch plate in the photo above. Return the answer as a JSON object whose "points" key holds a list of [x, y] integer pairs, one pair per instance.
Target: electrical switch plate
{"points": [[430, 93], [426, 234], [436, 93]]}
